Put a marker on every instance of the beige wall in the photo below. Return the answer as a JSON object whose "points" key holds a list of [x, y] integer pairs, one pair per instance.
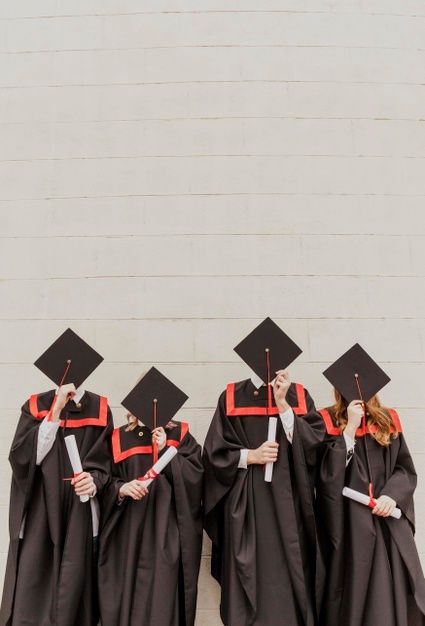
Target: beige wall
{"points": [[173, 171]]}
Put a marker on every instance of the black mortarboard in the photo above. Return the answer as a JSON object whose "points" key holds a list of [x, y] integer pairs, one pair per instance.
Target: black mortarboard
{"points": [[356, 375], [267, 341], [155, 399], [68, 360]]}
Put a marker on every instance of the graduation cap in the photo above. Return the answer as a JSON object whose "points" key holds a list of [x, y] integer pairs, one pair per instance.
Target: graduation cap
{"points": [[267, 349], [356, 375], [68, 360], [154, 400]]}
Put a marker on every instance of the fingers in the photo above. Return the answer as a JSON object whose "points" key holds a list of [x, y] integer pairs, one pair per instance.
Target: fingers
{"points": [[378, 510], [384, 506], [388, 508], [356, 403], [141, 486], [269, 451], [80, 477], [83, 484], [159, 437], [138, 490], [84, 487], [68, 390], [283, 373], [84, 491], [281, 381], [134, 493]]}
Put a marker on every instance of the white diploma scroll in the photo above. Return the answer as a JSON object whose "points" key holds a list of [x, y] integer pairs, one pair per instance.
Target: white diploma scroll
{"points": [[74, 457], [271, 436], [157, 468], [364, 499]]}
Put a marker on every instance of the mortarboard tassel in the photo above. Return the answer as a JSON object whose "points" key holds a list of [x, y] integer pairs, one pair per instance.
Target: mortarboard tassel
{"points": [[272, 421], [364, 426], [154, 417], [52, 406], [269, 390]]}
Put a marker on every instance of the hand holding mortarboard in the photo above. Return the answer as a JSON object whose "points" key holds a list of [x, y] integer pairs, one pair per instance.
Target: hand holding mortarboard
{"points": [[64, 394], [267, 350], [356, 375], [154, 401], [358, 378], [355, 415], [281, 385], [68, 362]]}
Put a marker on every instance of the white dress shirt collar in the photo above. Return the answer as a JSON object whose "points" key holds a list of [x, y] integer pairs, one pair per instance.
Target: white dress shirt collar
{"points": [[257, 381]]}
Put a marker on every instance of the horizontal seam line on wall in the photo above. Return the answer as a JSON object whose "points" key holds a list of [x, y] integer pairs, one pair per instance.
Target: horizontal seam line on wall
{"points": [[246, 275], [120, 319], [217, 276], [214, 82], [191, 319], [211, 46], [215, 195], [221, 362], [140, 157], [218, 118], [172, 235], [329, 12]]}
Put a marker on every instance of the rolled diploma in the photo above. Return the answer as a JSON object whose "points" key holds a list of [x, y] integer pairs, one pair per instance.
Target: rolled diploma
{"points": [[271, 436], [74, 457], [157, 468], [364, 499]]}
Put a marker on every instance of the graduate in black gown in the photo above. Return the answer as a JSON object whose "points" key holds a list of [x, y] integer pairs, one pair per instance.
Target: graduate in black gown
{"points": [[374, 577], [150, 546], [264, 548], [51, 568]]}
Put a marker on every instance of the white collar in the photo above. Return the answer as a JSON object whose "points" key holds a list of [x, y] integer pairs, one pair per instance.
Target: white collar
{"points": [[258, 382], [78, 395]]}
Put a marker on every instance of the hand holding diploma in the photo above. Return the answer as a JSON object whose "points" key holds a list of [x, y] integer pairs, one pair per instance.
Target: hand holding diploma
{"points": [[82, 480], [138, 489], [135, 489], [157, 468], [377, 505], [266, 453], [271, 438]]}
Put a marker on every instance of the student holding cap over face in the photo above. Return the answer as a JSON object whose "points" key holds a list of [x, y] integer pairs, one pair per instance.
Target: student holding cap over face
{"points": [[374, 577], [51, 566], [262, 527], [150, 546]]}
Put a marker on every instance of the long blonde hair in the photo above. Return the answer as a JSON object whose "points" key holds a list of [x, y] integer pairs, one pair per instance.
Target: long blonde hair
{"points": [[377, 415]]}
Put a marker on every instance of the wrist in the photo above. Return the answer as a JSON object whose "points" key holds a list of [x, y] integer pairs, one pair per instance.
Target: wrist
{"points": [[251, 458], [282, 406], [350, 431], [121, 493], [54, 415]]}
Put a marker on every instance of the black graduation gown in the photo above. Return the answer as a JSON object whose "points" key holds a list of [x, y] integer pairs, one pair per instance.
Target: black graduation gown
{"points": [[150, 549], [374, 576], [48, 579], [263, 534]]}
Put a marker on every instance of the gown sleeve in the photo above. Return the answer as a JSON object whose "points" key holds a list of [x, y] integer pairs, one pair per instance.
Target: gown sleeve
{"points": [[310, 429], [22, 458], [97, 460], [402, 482], [23, 452], [222, 449]]}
